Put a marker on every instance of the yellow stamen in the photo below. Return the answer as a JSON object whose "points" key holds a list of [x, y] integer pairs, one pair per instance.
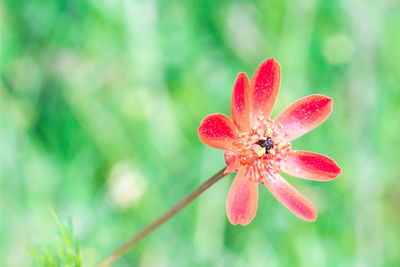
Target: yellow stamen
{"points": [[280, 146], [272, 151], [269, 131], [261, 152], [263, 138]]}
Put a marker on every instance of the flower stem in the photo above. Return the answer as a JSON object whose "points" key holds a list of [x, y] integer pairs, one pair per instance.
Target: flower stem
{"points": [[162, 219]]}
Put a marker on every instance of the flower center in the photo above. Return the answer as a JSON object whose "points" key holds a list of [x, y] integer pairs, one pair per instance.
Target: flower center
{"points": [[266, 143], [261, 149]]}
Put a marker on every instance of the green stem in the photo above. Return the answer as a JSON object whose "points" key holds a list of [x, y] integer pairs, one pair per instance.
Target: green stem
{"points": [[162, 219]]}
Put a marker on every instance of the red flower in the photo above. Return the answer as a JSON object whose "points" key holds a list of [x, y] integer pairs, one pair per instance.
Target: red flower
{"points": [[259, 148]]}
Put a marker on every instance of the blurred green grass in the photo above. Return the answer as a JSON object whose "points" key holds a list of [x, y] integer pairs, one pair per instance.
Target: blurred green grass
{"points": [[100, 103], [63, 250]]}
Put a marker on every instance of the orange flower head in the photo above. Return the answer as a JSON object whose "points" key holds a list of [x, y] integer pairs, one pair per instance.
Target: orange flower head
{"points": [[259, 148]]}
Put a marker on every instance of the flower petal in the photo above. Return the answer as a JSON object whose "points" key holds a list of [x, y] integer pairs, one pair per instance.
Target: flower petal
{"points": [[290, 197], [218, 131], [304, 115], [232, 161], [240, 106], [309, 165], [264, 88], [241, 204]]}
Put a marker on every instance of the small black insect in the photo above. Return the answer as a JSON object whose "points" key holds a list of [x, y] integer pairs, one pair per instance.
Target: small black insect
{"points": [[267, 143]]}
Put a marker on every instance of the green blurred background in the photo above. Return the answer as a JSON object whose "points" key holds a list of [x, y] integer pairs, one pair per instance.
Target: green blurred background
{"points": [[100, 102]]}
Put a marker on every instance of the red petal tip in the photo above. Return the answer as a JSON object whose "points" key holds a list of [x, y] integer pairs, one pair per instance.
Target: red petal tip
{"points": [[218, 131], [264, 87], [241, 204], [311, 166], [240, 105], [311, 219], [290, 197], [304, 115]]}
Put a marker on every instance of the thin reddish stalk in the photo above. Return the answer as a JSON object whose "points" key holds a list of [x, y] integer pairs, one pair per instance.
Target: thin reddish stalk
{"points": [[162, 219]]}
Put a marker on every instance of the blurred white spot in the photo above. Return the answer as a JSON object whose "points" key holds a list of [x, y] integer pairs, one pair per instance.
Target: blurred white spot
{"points": [[17, 254], [65, 62], [90, 256], [26, 75], [132, 106], [155, 257], [126, 185], [158, 109], [338, 49], [243, 33]]}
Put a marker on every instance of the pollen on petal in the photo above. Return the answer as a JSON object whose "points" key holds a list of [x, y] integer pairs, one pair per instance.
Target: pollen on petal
{"points": [[262, 151]]}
